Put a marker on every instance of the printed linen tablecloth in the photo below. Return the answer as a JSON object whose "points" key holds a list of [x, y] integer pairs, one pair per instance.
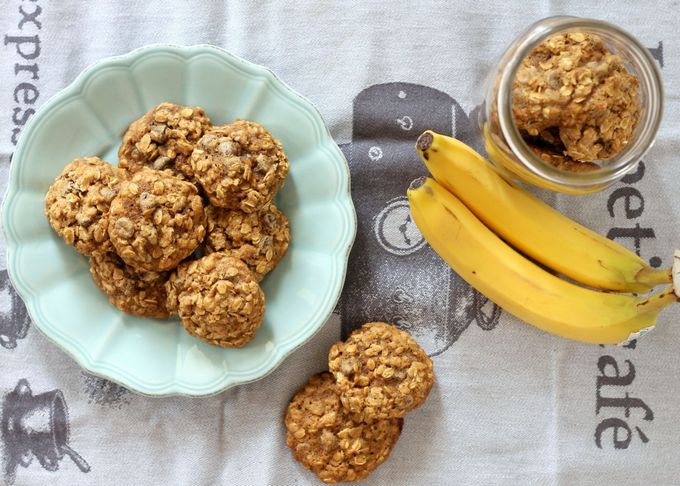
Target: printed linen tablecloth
{"points": [[512, 405]]}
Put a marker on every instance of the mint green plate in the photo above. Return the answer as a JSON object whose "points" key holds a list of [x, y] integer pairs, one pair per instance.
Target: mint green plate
{"points": [[88, 118]]}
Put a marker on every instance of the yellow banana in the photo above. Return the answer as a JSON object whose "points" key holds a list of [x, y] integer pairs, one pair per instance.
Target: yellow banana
{"points": [[532, 226], [520, 286]]}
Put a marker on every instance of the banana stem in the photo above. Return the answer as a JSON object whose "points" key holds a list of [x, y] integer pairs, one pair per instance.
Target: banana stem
{"points": [[654, 276], [658, 301], [416, 183]]}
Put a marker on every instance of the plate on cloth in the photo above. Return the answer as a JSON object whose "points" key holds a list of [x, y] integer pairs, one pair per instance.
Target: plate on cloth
{"points": [[157, 357]]}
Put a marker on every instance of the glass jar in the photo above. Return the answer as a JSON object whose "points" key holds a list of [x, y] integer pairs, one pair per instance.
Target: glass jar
{"points": [[508, 150]]}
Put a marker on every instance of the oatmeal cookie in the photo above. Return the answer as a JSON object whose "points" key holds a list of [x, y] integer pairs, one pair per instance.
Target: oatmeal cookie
{"points": [[561, 161], [156, 220], [381, 372], [574, 84], [218, 299], [259, 239], [325, 439], [240, 165], [163, 139], [136, 292], [78, 202]]}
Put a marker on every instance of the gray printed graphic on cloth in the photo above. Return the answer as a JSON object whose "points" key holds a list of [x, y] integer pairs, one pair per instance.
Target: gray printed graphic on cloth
{"points": [[35, 426], [393, 275], [104, 392], [511, 406], [14, 320]]}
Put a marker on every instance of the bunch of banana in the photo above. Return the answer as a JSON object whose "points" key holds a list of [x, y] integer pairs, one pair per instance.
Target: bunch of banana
{"points": [[471, 216]]}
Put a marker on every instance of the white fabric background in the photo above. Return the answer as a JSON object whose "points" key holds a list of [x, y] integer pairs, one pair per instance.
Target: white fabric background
{"points": [[512, 405]]}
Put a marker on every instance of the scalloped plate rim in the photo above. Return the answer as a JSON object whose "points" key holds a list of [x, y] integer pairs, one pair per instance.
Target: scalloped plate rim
{"points": [[342, 202]]}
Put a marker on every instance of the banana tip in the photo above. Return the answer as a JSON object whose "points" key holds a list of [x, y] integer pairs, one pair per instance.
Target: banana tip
{"points": [[424, 142], [417, 183]]}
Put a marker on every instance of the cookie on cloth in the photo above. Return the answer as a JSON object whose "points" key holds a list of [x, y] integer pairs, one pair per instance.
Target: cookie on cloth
{"points": [[327, 440], [381, 372]]}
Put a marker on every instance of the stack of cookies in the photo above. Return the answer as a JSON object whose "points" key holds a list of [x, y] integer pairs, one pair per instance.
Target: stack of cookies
{"points": [[185, 225], [343, 424]]}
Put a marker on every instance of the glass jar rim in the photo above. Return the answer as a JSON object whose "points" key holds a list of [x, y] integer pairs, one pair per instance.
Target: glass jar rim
{"points": [[650, 81]]}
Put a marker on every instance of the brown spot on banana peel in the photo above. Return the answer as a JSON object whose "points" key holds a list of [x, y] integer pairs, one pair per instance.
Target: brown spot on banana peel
{"points": [[592, 235], [447, 209]]}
